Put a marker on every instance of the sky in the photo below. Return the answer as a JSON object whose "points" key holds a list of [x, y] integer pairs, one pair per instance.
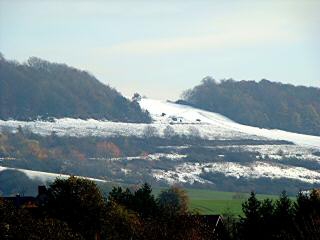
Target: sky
{"points": [[161, 48]]}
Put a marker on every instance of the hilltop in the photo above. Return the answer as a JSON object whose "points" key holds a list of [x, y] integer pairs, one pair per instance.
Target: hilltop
{"points": [[41, 89], [262, 104]]}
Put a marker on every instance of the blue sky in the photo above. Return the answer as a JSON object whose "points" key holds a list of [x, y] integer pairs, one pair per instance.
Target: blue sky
{"points": [[160, 48]]}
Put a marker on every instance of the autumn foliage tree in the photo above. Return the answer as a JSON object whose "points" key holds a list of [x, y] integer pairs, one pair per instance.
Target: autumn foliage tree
{"points": [[173, 201]]}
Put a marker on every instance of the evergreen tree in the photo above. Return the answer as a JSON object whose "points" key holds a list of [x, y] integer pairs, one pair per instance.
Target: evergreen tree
{"points": [[307, 215], [267, 219], [250, 223]]}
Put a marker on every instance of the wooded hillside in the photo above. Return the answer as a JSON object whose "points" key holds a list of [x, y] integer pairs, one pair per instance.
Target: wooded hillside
{"points": [[39, 88], [263, 104]]}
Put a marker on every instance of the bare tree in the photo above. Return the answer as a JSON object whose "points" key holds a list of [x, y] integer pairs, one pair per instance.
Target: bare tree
{"points": [[194, 132], [169, 132], [150, 131]]}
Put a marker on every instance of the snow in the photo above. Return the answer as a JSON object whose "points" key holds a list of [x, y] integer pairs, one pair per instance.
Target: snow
{"points": [[91, 127], [190, 172], [149, 157], [262, 169], [211, 126], [185, 173], [46, 176], [125, 170], [189, 121], [191, 114], [275, 151]]}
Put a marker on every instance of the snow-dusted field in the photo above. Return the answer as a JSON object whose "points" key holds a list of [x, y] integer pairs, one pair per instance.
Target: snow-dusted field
{"points": [[218, 122], [189, 121], [91, 127], [276, 151], [190, 172], [184, 120]]}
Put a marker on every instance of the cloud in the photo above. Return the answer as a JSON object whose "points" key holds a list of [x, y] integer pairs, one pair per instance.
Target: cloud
{"points": [[214, 41], [236, 32]]}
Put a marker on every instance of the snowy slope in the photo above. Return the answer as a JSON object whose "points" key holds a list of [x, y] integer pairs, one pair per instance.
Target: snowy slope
{"points": [[271, 162], [189, 114], [190, 172], [183, 119], [45, 176]]}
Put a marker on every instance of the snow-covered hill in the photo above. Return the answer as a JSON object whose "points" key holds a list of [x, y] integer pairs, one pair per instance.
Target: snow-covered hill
{"points": [[190, 115], [184, 120], [299, 161]]}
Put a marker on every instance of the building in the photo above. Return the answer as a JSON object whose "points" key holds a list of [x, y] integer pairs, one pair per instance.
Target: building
{"points": [[29, 201]]}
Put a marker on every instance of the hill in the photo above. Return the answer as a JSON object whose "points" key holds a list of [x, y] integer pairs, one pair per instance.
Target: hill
{"points": [[183, 145], [39, 88], [262, 104]]}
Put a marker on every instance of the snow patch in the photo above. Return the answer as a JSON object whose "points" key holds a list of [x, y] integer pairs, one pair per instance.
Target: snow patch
{"points": [[190, 172], [46, 176]]}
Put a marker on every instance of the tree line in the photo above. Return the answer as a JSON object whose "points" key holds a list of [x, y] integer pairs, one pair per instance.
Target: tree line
{"points": [[263, 104], [76, 208], [283, 218]]}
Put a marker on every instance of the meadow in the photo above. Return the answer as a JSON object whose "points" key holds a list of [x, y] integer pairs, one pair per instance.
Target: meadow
{"points": [[217, 202]]}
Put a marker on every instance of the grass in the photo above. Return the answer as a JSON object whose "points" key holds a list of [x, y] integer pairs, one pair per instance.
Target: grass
{"points": [[216, 206], [217, 202]]}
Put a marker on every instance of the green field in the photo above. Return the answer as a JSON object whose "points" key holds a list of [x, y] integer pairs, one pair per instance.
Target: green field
{"points": [[216, 202]]}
